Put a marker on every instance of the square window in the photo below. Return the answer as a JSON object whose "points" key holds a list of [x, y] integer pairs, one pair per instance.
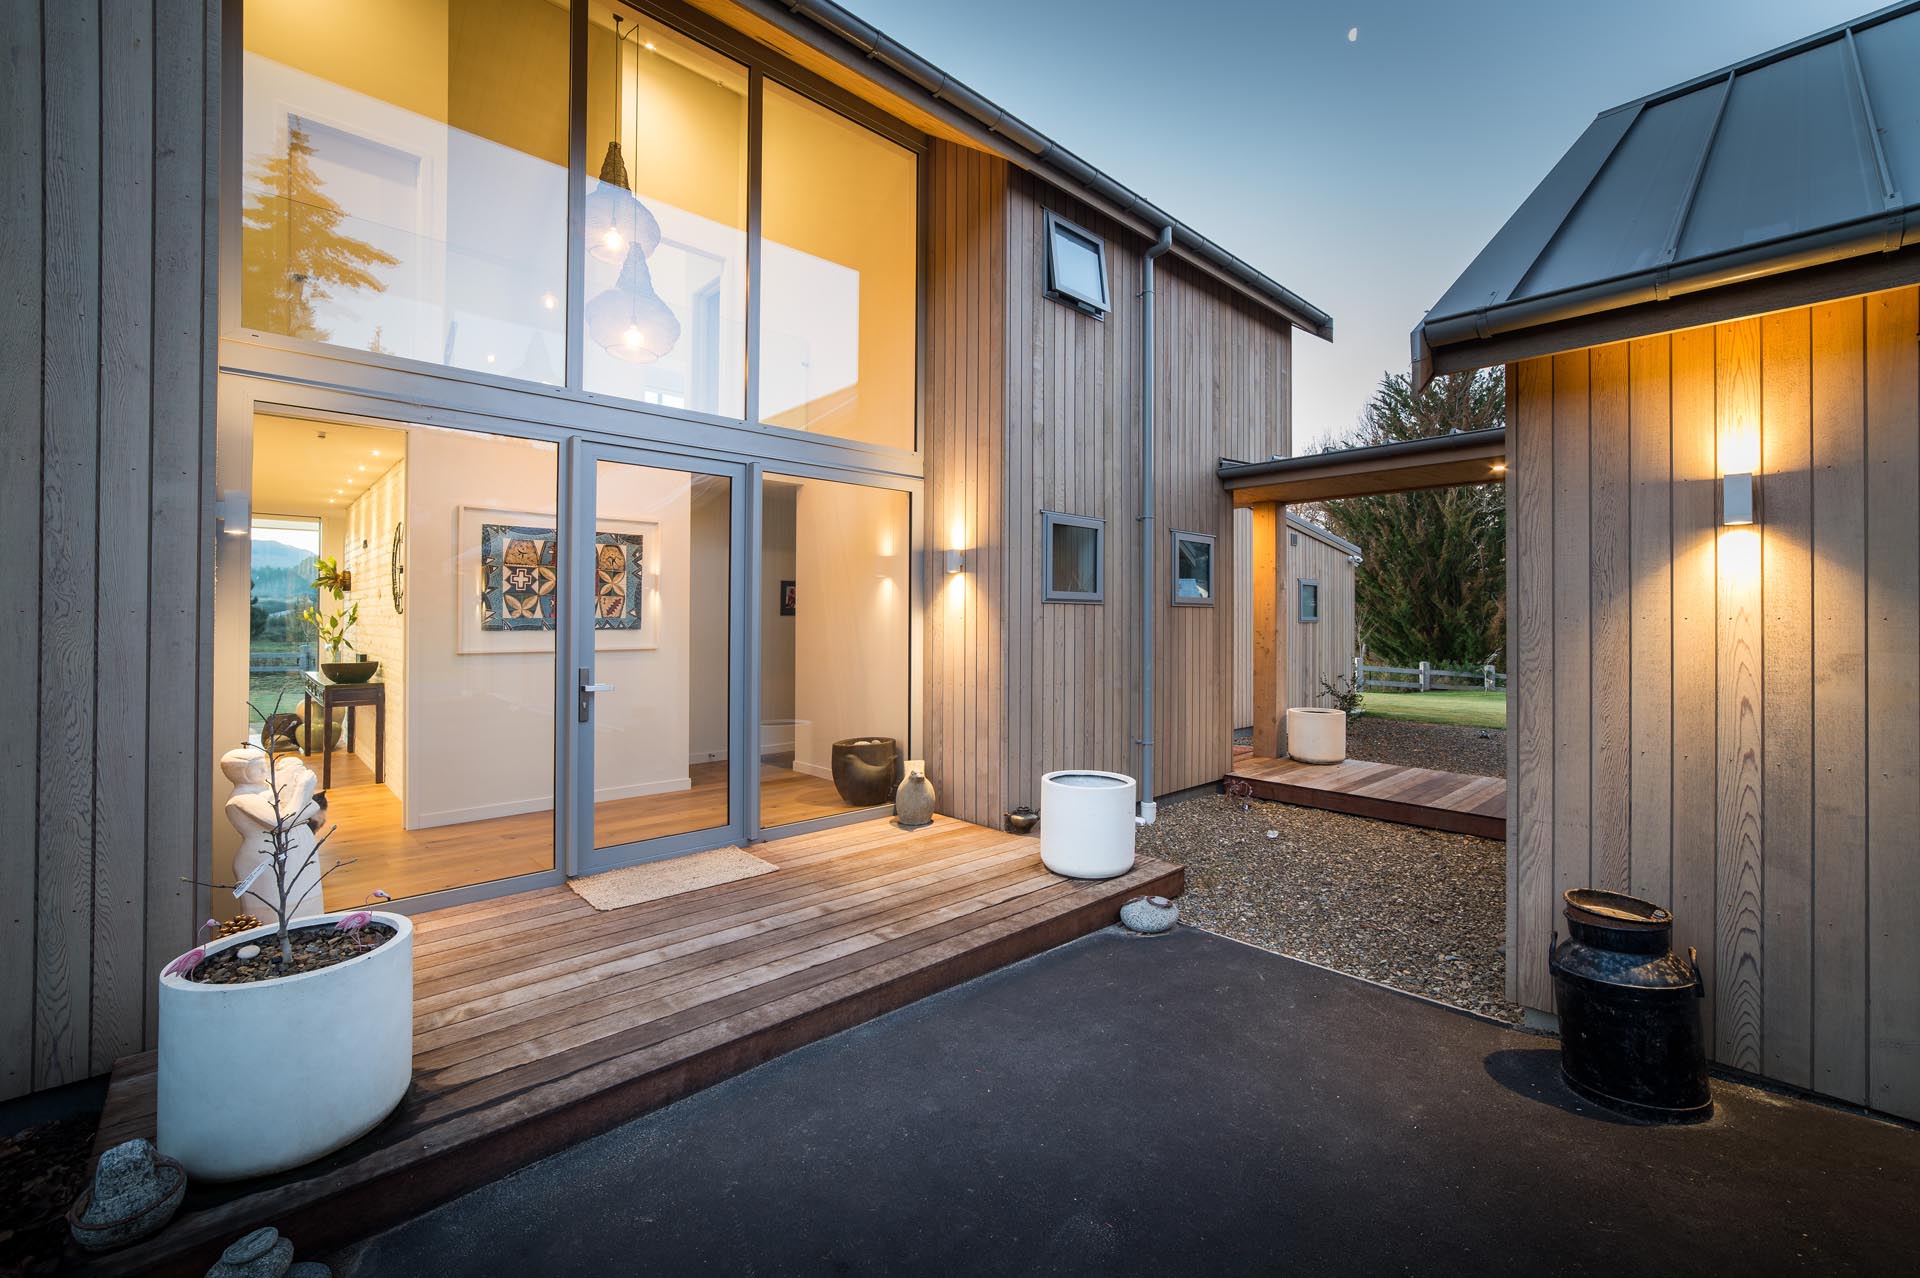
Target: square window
{"points": [[1309, 600], [1074, 549], [1193, 569], [1076, 267]]}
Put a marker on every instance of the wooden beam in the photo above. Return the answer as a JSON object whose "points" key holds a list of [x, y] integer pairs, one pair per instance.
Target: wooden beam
{"points": [[1269, 552], [1366, 472]]}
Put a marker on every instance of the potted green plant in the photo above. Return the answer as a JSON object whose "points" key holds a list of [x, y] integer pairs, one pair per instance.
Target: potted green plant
{"points": [[334, 628]]}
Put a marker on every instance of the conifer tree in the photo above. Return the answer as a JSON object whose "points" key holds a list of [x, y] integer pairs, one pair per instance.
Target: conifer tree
{"points": [[1433, 584]]}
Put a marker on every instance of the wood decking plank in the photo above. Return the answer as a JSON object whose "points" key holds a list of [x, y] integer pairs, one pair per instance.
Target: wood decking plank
{"points": [[1450, 801], [597, 1051]]}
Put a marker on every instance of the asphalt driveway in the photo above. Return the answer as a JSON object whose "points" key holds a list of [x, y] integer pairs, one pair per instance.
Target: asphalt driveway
{"points": [[1181, 1104]]}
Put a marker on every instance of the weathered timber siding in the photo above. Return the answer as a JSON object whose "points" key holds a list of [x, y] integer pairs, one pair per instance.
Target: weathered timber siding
{"points": [[1317, 652], [1073, 445], [106, 304], [963, 438], [1727, 720]]}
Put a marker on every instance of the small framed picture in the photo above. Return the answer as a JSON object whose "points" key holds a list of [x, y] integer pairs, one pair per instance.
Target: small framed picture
{"points": [[786, 598]]}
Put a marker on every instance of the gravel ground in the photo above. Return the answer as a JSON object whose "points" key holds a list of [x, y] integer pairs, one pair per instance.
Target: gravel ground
{"points": [[1416, 909], [1445, 746]]}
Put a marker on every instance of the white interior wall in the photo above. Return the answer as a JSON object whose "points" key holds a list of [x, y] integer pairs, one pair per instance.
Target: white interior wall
{"points": [[711, 568], [850, 640], [367, 553], [776, 631]]}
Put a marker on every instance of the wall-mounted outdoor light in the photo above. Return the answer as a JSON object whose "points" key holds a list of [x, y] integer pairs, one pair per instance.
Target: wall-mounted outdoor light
{"points": [[956, 562], [1736, 498]]}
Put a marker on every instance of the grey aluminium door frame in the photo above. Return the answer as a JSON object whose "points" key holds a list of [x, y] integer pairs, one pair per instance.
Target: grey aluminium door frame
{"points": [[580, 459]]}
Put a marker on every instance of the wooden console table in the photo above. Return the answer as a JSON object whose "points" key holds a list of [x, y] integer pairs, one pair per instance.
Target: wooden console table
{"points": [[330, 695]]}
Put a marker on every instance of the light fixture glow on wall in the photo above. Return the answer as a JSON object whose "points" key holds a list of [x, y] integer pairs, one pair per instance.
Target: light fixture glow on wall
{"points": [[956, 562], [1736, 498]]}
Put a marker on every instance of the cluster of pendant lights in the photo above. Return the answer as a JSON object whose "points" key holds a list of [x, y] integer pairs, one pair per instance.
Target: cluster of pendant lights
{"points": [[629, 320]]}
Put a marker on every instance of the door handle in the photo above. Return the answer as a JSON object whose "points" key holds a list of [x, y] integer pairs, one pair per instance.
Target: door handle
{"points": [[587, 690]]}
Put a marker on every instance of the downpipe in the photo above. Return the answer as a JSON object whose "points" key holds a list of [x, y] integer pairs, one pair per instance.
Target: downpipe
{"points": [[1149, 809]]}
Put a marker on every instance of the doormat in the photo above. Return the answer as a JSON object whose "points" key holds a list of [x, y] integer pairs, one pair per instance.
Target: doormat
{"points": [[640, 883]]}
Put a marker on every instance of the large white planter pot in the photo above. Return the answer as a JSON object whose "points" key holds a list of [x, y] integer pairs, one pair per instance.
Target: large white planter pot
{"points": [[258, 1078], [1086, 823], [1315, 735]]}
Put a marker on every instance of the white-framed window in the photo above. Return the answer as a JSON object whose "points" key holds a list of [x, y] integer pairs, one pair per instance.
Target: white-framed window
{"points": [[1309, 599], [1074, 558], [1076, 267], [1193, 569]]}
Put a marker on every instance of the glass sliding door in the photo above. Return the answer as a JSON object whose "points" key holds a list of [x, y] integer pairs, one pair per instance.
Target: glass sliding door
{"points": [[654, 651]]}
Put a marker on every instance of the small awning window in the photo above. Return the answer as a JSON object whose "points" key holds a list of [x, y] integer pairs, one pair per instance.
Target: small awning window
{"points": [[1076, 267]]}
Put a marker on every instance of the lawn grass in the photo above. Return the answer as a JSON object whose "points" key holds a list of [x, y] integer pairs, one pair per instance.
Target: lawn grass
{"points": [[1471, 707]]}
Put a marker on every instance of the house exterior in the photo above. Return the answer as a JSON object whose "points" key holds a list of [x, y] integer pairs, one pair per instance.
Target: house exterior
{"points": [[1319, 613], [1710, 324], [842, 373]]}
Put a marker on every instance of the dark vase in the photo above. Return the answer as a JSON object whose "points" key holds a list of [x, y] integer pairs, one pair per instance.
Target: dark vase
{"points": [[865, 770], [350, 671]]}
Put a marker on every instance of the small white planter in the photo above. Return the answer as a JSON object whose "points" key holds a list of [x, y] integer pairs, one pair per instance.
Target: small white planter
{"points": [[1315, 735], [261, 1077], [1086, 825]]}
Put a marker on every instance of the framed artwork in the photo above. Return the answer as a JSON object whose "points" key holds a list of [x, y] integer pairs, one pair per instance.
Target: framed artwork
{"points": [[507, 563], [786, 598]]}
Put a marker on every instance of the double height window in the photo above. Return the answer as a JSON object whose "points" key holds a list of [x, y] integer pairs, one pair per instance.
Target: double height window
{"points": [[410, 188]]}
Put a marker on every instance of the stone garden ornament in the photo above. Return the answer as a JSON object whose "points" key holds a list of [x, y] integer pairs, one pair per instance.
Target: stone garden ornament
{"points": [[135, 1192]]}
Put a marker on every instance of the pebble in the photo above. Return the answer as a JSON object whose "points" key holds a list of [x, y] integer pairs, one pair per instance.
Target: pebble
{"points": [[246, 952], [1420, 910]]}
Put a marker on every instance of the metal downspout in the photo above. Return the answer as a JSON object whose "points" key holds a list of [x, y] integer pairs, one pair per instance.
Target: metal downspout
{"points": [[1148, 546]]}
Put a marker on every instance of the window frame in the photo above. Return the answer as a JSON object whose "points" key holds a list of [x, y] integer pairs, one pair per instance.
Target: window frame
{"points": [[1096, 308], [1300, 601], [1051, 519], [1212, 543]]}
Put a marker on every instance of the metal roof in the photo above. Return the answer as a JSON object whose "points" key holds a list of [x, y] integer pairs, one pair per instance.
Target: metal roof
{"points": [[1406, 465], [827, 24], [1801, 156]]}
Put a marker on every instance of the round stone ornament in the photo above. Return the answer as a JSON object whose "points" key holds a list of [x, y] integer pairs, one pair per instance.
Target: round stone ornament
{"points": [[1149, 914]]}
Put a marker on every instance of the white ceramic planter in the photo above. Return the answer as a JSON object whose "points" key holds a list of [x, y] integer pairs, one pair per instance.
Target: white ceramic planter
{"points": [[1315, 735], [258, 1078], [1086, 826]]}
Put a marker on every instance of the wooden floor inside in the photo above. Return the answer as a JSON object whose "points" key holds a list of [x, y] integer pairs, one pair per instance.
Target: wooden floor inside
{"points": [[1451, 801], [539, 1021], [387, 856]]}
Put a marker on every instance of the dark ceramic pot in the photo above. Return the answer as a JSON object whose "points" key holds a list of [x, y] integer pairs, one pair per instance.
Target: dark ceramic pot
{"points": [[865, 770], [350, 671], [1022, 820]]}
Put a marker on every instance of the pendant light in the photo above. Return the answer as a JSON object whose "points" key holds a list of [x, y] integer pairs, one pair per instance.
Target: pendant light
{"points": [[629, 321], [616, 220]]}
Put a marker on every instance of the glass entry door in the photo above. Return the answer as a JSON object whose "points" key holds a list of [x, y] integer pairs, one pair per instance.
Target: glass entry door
{"points": [[655, 565]]}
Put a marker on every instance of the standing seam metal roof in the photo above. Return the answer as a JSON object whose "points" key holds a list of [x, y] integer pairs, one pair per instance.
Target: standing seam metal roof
{"points": [[1803, 155]]}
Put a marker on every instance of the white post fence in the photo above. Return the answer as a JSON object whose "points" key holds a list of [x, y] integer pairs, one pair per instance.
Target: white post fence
{"points": [[1424, 677]]}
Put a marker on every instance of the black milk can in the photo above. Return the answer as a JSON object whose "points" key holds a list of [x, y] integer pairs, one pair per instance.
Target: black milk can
{"points": [[1629, 1009]]}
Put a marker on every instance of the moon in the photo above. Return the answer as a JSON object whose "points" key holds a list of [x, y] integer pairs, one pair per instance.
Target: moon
{"points": [[1353, 34]]}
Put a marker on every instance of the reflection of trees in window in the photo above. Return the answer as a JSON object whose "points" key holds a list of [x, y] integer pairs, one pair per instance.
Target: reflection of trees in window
{"points": [[293, 253]]}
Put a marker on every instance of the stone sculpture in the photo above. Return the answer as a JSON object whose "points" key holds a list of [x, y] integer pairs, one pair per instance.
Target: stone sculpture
{"points": [[250, 809]]}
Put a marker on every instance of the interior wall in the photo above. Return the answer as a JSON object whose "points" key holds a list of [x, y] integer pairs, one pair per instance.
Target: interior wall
{"points": [[367, 552], [480, 738], [1726, 720], [777, 633], [710, 569], [850, 633]]}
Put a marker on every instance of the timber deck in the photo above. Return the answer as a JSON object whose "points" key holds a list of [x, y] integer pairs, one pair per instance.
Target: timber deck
{"points": [[539, 1021], [1451, 801]]}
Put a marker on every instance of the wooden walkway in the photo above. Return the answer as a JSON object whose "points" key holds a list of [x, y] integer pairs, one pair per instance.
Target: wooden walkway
{"points": [[539, 1021], [1449, 801]]}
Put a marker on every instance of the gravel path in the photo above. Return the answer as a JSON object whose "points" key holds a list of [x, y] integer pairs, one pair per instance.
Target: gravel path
{"points": [[1416, 909], [1446, 746]]}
